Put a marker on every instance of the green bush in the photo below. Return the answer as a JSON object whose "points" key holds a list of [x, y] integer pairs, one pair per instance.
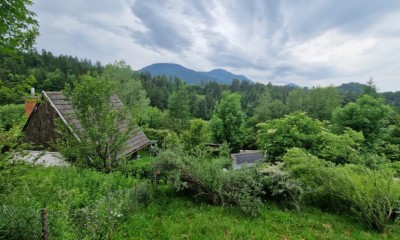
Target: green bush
{"points": [[367, 190], [276, 137], [139, 168], [373, 194], [11, 115], [206, 179], [159, 135], [280, 185]]}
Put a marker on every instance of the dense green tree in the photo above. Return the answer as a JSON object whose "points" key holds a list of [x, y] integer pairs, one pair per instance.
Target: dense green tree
{"points": [[235, 85], [129, 89], [50, 72], [297, 100], [154, 118], [268, 109], [322, 102], [298, 130], [11, 115], [18, 26], [340, 148], [318, 102], [54, 81], [294, 130], [278, 109], [227, 121], [370, 89], [198, 133], [178, 108], [262, 112], [20, 87], [102, 140], [369, 115], [393, 98]]}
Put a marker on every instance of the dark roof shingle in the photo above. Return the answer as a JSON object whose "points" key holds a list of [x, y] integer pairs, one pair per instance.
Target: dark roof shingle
{"points": [[137, 141]]}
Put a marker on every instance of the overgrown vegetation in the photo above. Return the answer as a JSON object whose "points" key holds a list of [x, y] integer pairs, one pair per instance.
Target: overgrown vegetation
{"points": [[103, 129], [171, 217], [329, 155], [80, 203], [206, 179]]}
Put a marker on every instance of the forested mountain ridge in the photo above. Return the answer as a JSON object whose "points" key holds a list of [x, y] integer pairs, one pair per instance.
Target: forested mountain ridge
{"points": [[46, 71], [191, 76]]}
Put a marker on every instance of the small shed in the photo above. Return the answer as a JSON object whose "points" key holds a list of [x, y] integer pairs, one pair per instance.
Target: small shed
{"points": [[246, 158], [40, 126]]}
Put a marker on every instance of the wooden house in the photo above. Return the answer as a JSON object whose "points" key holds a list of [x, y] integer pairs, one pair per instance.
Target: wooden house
{"points": [[40, 126]]}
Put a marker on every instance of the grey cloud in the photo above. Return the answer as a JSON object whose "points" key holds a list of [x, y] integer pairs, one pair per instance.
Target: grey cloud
{"points": [[308, 18], [161, 32], [225, 59], [273, 28]]}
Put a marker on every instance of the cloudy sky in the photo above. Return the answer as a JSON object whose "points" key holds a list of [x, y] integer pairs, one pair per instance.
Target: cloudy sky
{"points": [[306, 42]]}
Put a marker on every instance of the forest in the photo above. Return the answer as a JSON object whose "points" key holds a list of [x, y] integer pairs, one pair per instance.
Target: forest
{"points": [[330, 167]]}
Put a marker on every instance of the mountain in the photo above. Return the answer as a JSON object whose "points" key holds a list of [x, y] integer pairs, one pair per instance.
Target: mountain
{"points": [[224, 76], [191, 76]]}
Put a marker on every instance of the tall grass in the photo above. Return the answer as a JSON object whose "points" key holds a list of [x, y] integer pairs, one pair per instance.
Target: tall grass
{"points": [[172, 217]]}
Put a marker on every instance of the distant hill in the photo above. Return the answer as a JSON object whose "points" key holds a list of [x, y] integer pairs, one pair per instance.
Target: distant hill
{"points": [[292, 85], [351, 87], [191, 76]]}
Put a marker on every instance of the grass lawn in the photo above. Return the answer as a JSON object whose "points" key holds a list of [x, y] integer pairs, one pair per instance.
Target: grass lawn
{"points": [[170, 217]]}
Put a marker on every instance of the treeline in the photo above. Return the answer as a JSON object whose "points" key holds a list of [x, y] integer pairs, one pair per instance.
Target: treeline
{"points": [[43, 70], [260, 102]]}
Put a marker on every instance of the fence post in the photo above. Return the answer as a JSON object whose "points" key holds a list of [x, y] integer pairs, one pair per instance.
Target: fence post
{"points": [[45, 229]]}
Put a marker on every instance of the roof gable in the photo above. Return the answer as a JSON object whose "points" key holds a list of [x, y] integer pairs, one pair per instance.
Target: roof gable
{"points": [[66, 112]]}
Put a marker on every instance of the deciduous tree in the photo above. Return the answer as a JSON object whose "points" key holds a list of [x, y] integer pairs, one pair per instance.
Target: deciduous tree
{"points": [[227, 121], [101, 140], [18, 26]]}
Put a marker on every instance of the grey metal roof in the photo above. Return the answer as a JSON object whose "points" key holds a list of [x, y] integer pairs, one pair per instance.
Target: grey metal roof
{"points": [[246, 157], [137, 141]]}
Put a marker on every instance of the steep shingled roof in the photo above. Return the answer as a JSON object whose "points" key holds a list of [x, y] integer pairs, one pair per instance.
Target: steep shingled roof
{"points": [[65, 111]]}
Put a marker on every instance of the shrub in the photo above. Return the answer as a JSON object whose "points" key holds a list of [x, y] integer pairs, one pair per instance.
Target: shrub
{"points": [[206, 179], [373, 194], [11, 115], [281, 185], [276, 137], [367, 190], [157, 134], [140, 168]]}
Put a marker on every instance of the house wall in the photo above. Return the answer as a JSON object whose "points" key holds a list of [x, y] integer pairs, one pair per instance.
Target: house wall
{"points": [[40, 129]]}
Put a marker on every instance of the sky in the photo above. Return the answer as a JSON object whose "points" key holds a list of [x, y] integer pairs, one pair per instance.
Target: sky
{"points": [[305, 42]]}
